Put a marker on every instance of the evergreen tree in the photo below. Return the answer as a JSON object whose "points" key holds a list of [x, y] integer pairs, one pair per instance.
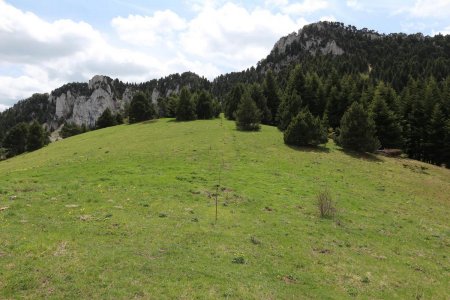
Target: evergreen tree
{"points": [[37, 137], [289, 108], [16, 139], [186, 106], [217, 108], [248, 117], [106, 119], [272, 94], [141, 109], [446, 151], [119, 119], [334, 107], [296, 81], [311, 94], [205, 109], [172, 104], [387, 127], [257, 95], [71, 129], [437, 148], [357, 131], [233, 100], [305, 130], [415, 121], [291, 103]]}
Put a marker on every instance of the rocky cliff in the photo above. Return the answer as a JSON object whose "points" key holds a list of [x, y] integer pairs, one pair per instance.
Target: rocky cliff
{"points": [[85, 107], [83, 103]]}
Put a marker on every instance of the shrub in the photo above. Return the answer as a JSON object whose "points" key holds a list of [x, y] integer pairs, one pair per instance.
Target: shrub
{"points": [[240, 260], [325, 204]]}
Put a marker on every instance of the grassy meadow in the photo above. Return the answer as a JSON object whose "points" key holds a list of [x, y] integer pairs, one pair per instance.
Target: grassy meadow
{"points": [[128, 212]]}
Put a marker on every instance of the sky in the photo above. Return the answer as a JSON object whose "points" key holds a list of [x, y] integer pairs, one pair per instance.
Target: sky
{"points": [[47, 43]]}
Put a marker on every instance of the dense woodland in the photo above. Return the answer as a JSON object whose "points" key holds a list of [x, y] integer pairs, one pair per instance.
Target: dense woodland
{"points": [[383, 92]]}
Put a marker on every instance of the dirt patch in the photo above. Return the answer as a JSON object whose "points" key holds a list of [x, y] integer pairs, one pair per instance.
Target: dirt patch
{"points": [[322, 250], [267, 208], [61, 250], [289, 279], [85, 218], [72, 205]]}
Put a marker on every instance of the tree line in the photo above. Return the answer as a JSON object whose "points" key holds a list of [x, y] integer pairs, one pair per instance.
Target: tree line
{"points": [[357, 113]]}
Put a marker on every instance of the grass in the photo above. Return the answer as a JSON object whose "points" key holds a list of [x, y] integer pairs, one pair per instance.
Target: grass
{"points": [[128, 212]]}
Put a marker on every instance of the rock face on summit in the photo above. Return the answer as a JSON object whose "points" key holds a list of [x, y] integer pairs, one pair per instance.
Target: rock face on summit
{"points": [[85, 107], [312, 44]]}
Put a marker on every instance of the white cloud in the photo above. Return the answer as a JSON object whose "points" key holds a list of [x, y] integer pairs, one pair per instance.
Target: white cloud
{"points": [[3, 107], [219, 37], [328, 18], [148, 30], [431, 9], [27, 38], [305, 7], [444, 31], [276, 3], [240, 43]]}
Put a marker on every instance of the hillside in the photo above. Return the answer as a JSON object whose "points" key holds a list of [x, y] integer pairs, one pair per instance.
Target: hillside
{"points": [[128, 212]]}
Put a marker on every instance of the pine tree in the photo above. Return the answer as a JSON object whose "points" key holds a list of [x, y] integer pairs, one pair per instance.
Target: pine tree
{"points": [[233, 100], [437, 148], [141, 109], [15, 140], [205, 109], [106, 119], [446, 158], [357, 131], [333, 107], [387, 127], [257, 95], [248, 117], [36, 137], [296, 81], [290, 106], [172, 104], [415, 120], [311, 94], [119, 119], [305, 130], [271, 91], [186, 106]]}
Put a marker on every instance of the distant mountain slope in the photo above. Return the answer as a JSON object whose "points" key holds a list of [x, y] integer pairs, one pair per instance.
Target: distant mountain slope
{"points": [[83, 103], [322, 47], [325, 47]]}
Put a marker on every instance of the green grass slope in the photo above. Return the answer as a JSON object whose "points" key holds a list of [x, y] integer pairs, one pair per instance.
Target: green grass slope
{"points": [[128, 212]]}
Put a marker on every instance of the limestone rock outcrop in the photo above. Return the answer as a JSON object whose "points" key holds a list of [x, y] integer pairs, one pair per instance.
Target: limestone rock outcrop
{"points": [[85, 107]]}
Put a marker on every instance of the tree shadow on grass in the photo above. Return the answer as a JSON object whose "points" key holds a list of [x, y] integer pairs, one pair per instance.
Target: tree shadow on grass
{"points": [[247, 131], [174, 120], [149, 121], [318, 149], [362, 155]]}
